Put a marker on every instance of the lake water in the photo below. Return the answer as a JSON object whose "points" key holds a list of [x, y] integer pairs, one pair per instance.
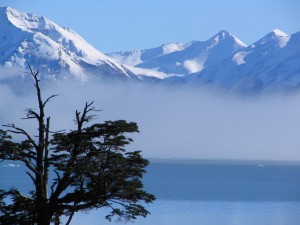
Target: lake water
{"points": [[207, 193]]}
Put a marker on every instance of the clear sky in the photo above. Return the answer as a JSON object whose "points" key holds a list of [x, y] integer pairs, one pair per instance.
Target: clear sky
{"points": [[113, 25]]}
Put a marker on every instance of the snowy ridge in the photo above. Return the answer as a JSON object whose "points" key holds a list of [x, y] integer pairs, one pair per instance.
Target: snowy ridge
{"points": [[136, 57], [53, 49], [274, 35], [223, 61], [183, 58], [269, 64], [272, 63]]}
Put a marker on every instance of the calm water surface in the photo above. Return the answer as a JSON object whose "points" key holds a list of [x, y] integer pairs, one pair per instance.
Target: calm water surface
{"points": [[224, 181], [206, 193]]}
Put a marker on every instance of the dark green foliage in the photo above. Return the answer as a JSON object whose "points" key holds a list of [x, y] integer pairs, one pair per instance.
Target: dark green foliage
{"points": [[20, 212], [99, 170], [93, 170]]}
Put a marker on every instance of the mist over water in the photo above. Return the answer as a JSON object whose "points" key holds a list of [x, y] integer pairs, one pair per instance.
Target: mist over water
{"points": [[175, 122], [186, 122]]}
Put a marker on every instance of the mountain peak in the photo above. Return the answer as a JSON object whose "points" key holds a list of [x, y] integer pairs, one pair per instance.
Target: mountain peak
{"points": [[225, 35], [44, 44], [10, 12], [276, 35], [221, 35], [21, 20]]}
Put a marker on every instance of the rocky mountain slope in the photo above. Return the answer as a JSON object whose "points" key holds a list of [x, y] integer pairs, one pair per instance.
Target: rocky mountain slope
{"points": [[58, 52]]}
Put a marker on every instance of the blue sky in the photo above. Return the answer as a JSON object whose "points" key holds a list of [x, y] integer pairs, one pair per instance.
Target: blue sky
{"points": [[113, 25]]}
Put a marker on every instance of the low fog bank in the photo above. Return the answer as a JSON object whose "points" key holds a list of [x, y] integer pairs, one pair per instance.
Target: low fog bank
{"points": [[176, 122]]}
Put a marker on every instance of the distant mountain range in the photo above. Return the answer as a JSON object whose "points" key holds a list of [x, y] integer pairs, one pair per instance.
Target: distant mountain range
{"points": [[271, 63], [181, 59]]}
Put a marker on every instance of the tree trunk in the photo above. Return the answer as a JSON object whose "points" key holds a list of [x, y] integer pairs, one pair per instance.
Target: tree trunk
{"points": [[43, 217]]}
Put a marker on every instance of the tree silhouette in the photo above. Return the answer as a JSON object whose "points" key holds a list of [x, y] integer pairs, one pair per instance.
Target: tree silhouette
{"points": [[91, 169]]}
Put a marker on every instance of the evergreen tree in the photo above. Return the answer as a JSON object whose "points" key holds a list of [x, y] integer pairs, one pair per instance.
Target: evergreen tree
{"points": [[91, 166]]}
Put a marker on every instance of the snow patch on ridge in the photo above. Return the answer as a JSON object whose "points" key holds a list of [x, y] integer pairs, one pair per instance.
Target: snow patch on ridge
{"points": [[174, 47], [133, 60], [148, 72], [282, 42], [275, 35], [279, 33], [195, 65], [238, 57]]}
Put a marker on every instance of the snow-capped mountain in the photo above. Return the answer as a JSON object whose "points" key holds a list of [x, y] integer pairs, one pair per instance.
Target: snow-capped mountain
{"points": [[182, 59], [52, 49], [223, 61], [271, 63]]}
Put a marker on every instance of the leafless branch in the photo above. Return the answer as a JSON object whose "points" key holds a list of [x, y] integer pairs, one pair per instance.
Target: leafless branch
{"points": [[31, 114], [52, 187], [114, 210], [17, 130], [34, 74], [48, 99], [55, 183], [83, 117], [31, 176], [57, 174], [72, 214], [29, 165]]}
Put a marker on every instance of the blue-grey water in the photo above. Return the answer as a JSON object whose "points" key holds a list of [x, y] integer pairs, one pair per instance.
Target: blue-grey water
{"points": [[224, 181], [206, 193]]}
